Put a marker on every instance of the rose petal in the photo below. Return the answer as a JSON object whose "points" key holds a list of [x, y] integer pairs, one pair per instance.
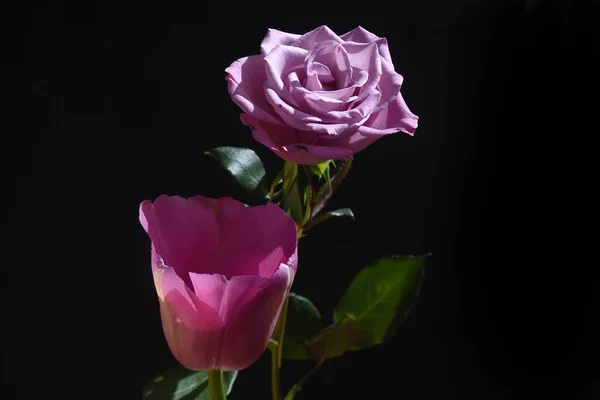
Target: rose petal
{"points": [[246, 78], [300, 154], [389, 85], [184, 233], [249, 331], [284, 59], [393, 118], [323, 104], [276, 38], [319, 153], [354, 141], [256, 242], [270, 135], [293, 151], [295, 90], [360, 109], [335, 57], [362, 35], [333, 124], [345, 96], [316, 75], [359, 78], [318, 102], [290, 114], [280, 62], [297, 155], [365, 57], [310, 39]]}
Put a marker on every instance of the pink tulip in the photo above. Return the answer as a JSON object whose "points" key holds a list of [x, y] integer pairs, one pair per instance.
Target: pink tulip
{"points": [[222, 272]]}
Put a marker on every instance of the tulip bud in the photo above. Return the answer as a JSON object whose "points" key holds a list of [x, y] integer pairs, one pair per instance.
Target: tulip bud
{"points": [[222, 272]]}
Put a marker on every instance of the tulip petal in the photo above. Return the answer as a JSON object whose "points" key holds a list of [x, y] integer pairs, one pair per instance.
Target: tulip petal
{"points": [[210, 289], [259, 261], [155, 260], [224, 208], [250, 329], [225, 296], [196, 350], [275, 38], [184, 233], [245, 78], [249, 306], [256, 242], [193, 329]]}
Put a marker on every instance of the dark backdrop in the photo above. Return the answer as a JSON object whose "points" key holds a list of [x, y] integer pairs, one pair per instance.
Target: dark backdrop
{"points": [[116, 103]]}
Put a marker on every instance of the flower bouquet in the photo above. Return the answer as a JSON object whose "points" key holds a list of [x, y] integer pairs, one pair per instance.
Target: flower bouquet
{"points": [[223, 270]]}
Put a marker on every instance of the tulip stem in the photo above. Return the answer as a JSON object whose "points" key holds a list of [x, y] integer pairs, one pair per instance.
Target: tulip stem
{"points": [[277, 352], [216, 385], [275, 389]]}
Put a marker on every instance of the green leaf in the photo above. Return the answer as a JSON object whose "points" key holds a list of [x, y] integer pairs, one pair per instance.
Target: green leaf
{"points": [[335, 340], [290, 175], [306, 201], [327, 176], [342, 212], [180, 383], [245, 167], [303, 323], [276, 182], [292, 198], [380, 297], [325, 192], [321, 169], [292, 202]]}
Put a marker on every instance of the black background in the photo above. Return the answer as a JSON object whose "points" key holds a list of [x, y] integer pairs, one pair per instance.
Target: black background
{"points": [[115, 103]]}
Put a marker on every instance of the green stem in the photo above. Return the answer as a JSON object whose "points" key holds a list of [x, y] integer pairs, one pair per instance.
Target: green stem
{"points": [[275, 389], [325, 192], [298, 386], [277, 352], [216, 385]]}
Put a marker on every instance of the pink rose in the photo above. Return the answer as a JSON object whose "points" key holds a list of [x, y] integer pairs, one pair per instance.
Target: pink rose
{"points": [[222, 271], [320, 96]]}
